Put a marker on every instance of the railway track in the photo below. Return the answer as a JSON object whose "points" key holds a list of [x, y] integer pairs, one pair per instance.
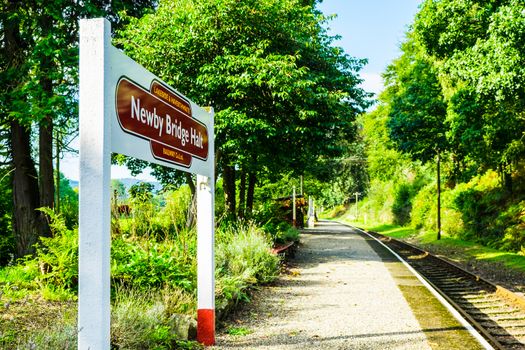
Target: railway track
{"points": [[497, 314]]}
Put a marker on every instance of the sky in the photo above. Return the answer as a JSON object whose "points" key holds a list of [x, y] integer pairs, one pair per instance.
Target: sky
{"points": [[371, 29]]}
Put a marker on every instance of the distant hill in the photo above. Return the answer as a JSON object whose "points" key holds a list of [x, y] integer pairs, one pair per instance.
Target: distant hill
{"points": [[130, 182], [73, 183], [126, 182]]}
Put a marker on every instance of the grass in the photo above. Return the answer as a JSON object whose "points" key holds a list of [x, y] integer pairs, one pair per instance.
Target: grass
{"points": [[514, 261], [238, 331]]}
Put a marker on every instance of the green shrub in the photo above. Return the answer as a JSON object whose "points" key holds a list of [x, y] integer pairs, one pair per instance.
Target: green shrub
{"points": [[58, 255], [281, 232], [335, 212], [513, 219], [291, 234], [145, 263], [138, 322], [174, 213], [153, 271], [423, 215], [402, 205], [7, 240], [61, 336], [378, 204], [68, 202], [17, 281], [482, 204], [244, 250]]}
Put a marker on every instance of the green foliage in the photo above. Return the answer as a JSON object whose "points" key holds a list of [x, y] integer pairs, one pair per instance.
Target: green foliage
{"points": [[290, 235], [489, 216], [478, 210], [175, 208], [17, 281], [238, 331], [272, 219], [143, 220], [162, 216], [402, 205], [7, 241], [141, 192], [383, 160], [271, 72], [417, 110], [335, 212], [424, 208], [57, 256], [143, 263], [512, 221], [139, 322], [153, 278], [476, 47], [68, 202], [243, 251], [118, 189], [455, 89]]}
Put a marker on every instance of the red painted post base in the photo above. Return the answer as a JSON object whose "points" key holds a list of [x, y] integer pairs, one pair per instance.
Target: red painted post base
{"points": [[206, 326]]}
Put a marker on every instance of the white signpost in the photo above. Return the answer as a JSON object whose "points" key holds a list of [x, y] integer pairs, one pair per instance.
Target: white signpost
{"points": [[126, 109]]}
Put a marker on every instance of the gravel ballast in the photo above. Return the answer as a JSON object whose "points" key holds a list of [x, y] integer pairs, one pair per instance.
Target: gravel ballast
{"points": [[340, 295]]}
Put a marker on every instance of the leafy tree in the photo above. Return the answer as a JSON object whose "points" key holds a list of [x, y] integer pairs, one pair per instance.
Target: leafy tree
{"points": [[478, 48], [282, 94], [417, 108], [141, 191], [384, 161], [417, 115], [38, 61]]}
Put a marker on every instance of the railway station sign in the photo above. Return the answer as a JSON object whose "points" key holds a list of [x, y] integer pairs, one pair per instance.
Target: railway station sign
{"points": [[124, 108], [163, 118], [154, 122]]}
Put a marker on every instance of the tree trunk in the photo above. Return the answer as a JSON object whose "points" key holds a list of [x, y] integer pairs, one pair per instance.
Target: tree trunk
{"points": [[252, 178], [26, 220], [26, 199], [242, 194], [46, 178], [228, 185], [45, 134], [190, 216]]}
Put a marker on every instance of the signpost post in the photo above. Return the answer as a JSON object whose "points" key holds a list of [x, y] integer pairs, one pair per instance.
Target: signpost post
{"points": [[126, 109], [356, 199]]}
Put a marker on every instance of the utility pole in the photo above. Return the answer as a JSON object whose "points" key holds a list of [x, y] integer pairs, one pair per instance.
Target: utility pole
{"points": [[356, 210], [438, 195], [294, 219]]}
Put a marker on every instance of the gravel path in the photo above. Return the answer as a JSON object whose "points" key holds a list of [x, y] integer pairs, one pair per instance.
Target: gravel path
{"points": [[340, 296]]}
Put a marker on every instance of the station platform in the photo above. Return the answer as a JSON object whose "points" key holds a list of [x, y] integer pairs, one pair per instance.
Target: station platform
{"points": [[346, 291]]}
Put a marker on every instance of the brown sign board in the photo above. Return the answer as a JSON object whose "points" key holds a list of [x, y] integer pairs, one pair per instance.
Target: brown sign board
{"points": [[164, 118]]}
